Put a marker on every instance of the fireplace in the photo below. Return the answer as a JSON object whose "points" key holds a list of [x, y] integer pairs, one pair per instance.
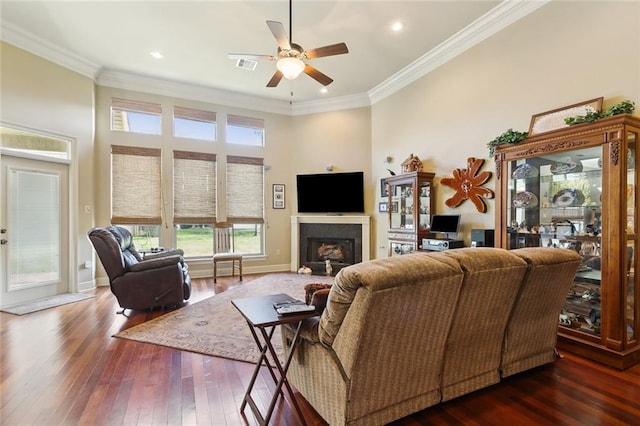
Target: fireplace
{"points": [[342, 240]]}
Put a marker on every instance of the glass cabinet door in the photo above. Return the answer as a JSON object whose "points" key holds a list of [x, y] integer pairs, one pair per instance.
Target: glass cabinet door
{"points": [[632, 304], [555, 200], [424, 208], [401, 207]]}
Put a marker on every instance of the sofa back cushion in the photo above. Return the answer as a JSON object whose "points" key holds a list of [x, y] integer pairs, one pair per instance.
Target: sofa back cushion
{"points": [[531, 333], [474, 346], [387, 321]]}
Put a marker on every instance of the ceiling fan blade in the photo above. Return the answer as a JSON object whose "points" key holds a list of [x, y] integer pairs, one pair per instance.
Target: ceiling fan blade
{"points": [[275, 79], [334, 49], [280, 34], [251, 56], [321, 78]]}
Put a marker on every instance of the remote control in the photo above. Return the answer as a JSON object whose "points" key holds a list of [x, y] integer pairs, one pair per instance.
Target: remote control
{"points": [[295, 309]]}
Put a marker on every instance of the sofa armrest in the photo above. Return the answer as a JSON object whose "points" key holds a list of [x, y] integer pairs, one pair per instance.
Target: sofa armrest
{"points": [[160, 262]]}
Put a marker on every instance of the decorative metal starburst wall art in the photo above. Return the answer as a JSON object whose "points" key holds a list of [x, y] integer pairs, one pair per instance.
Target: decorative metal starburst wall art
{"points": [[468, 185]]}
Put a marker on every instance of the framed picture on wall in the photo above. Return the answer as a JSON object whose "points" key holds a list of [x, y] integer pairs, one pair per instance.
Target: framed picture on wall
{"points": [[384, 189], [383, 207], [278, 196], [554, 119]]}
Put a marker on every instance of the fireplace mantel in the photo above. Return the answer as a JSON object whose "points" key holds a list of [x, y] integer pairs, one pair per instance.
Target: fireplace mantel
{"points": [[363, 221]]}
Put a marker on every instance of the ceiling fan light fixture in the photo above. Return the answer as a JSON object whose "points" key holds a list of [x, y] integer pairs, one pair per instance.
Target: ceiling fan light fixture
{"points": [[290, 67]]}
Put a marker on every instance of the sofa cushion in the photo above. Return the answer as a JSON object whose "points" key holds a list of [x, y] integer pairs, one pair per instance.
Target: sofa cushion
{"points": [[531, 334], [474, 346]]}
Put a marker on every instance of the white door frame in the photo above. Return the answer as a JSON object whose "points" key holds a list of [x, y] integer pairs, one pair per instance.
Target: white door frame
{"points": [[70, 245]]}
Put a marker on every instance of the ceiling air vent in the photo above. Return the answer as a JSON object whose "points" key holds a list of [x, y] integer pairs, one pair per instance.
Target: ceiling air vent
{"points": [[247, 64]]}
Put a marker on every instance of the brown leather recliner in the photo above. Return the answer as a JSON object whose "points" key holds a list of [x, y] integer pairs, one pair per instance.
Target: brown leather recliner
{"points": [[158, 280]]}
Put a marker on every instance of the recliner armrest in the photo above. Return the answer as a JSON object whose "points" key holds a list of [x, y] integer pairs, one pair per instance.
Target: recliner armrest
{"points": [[145, 265], [166, 253]]}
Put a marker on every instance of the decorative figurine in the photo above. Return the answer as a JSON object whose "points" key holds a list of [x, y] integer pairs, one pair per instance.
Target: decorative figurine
{"points": [[328, 267], [304, 270], [412, 164]]}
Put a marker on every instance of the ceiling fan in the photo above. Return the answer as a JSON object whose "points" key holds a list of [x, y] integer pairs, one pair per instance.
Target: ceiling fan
{"points": [[292, 58]]}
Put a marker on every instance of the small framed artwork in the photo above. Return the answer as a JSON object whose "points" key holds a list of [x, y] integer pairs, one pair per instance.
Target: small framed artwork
{"points": [[383, 207], [278, 196], [554, 119], [384, 189], [394, 207]]}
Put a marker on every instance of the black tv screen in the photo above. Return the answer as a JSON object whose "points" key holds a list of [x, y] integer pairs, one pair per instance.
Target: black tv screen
{"points": [[331, 193], [445, 223]]}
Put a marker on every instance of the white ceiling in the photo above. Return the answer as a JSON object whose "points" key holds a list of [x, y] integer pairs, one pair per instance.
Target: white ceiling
{"points": [[111, 40]]}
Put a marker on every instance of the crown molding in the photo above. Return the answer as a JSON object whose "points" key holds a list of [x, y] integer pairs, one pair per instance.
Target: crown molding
{"points": [[47, 50], [141, 83], [331, 104], [498, 18]]}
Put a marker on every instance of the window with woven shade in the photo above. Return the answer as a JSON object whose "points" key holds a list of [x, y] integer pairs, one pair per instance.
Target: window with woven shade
{"points": [[245, 130], [136, 116], [194, 123], [245, 189], [194, 201], [194, 187], [136, 185], [245, 203]]}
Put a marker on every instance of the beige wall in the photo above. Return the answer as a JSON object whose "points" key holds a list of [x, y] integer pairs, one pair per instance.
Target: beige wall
{"points": [[293, 145], [563, 53], [39, 95]]}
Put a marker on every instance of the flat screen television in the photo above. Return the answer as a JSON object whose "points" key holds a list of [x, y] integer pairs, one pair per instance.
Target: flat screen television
{"points": [[335, 193], [445, 223]]}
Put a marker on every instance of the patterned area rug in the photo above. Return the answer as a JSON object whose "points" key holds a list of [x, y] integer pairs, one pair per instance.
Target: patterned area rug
{"points": [[214, 326], [45, 303]]}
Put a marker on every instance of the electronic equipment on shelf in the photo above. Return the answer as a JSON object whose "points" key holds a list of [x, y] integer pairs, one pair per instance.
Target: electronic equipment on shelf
{"points": [[435, 244]]}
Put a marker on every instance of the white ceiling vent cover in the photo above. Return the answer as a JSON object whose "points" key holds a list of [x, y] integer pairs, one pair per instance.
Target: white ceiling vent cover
{"points": [[247, 64]]}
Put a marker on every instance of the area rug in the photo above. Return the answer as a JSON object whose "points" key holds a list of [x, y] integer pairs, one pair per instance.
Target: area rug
{"points": [[214, 326], [45, 303]]}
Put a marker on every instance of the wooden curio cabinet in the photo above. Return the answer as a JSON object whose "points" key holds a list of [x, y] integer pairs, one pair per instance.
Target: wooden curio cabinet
{"points": [[576, 188], [410, 209]]}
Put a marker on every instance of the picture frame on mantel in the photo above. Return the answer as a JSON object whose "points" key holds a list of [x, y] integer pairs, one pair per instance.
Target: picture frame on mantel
{"points": [[554, 119], [278, 196]]}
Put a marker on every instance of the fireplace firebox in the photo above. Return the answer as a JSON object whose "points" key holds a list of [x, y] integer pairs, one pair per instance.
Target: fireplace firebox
{"points": [[340, 244], [341, 239]]}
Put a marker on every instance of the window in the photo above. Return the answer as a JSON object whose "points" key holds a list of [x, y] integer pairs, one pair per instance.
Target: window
{"points": [[136, 116], [33, 143], [144, 237], [135, 186], [245, 131], [194, 201], [194, 124], [245, 202]]}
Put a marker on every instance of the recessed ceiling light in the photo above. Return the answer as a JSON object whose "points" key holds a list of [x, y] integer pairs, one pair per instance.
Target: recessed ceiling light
{"points": [[397, 26], [156, 55], [324, 90]]}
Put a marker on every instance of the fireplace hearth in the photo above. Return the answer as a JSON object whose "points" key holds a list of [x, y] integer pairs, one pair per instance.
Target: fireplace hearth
{"points": [[342, 240]]}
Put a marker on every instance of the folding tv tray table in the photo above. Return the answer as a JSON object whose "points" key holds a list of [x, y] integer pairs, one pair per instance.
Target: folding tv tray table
{"points": [[263, 319]]}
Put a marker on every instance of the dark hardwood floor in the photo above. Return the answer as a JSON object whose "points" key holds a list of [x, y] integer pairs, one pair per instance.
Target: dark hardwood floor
{"points": [[62, 367]]}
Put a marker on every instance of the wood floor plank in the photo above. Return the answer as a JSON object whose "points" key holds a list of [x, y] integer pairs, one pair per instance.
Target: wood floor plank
{"points": [[62, 366]]}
